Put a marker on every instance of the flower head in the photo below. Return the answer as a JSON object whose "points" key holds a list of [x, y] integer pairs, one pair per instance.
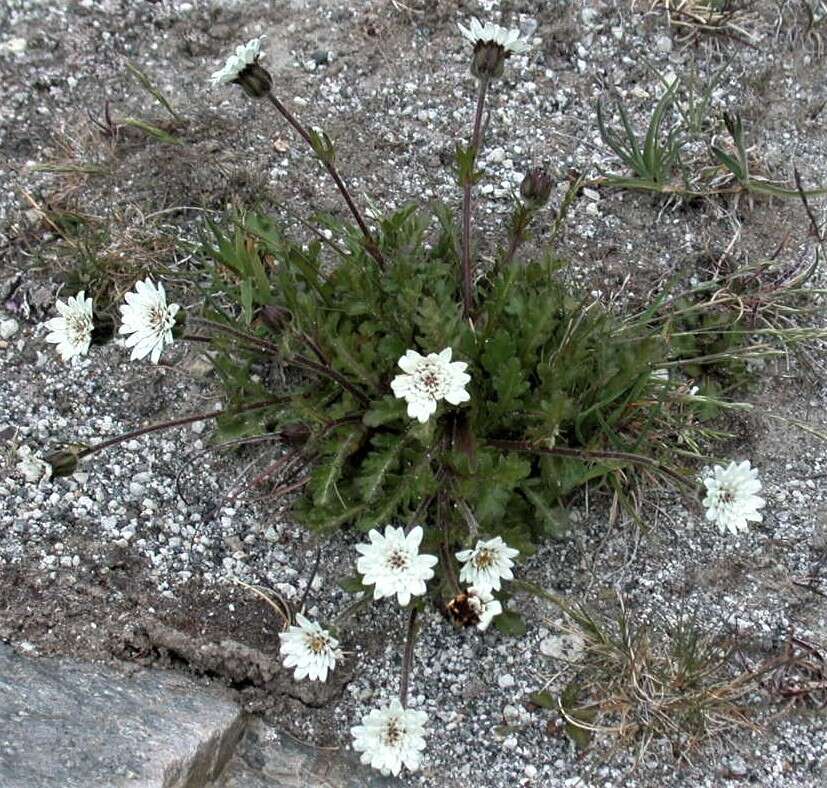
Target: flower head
{"points": [[474, 607], [486, 564], [72, 331], [492, 46], [731, 499], [392, 562], [390, 737], [242, 68], [309, 649], [148, 320], [427, 380], [33, 468]]}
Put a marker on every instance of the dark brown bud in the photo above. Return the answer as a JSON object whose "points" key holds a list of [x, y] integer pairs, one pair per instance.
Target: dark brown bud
{"points": [[489, 60], [274, 317], [255, 80], [536, 187], [64, 461], [295, 434], [464, 610]]}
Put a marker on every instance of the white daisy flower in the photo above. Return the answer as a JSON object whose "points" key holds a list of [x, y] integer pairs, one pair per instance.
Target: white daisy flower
{"points": [[72, 331], [486, 564], [392, 562], [427, 380], [489, 33], [32, 467], [390, 737], [731, 499], [148, 320], [484, 606], [244, 55], [309, 649]]}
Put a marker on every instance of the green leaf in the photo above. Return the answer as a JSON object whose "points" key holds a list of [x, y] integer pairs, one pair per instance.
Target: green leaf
{"points": [[247, 301], [352, 584], [383, 411], [328, 473], [378, 464], [554, 519], [543, 699], [730, 163], [153, 131], [325, 520], [510, 623], [568, 701], [146, 83]]}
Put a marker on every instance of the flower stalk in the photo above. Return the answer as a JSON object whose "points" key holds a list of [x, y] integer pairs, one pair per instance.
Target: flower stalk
{"points": [[164, 425], [326, 158], [407, 660], [467, 184]]}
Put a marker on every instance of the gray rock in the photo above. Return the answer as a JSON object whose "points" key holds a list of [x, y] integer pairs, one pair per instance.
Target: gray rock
{"points": [[70, 724], [8, 328], [267, 758]]}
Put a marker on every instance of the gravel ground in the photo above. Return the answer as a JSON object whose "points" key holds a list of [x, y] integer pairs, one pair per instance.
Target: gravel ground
{"points": [[91, 564]]}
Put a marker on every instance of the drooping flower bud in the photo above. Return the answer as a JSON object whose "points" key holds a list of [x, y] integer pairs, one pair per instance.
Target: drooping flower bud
{"points": [[536, 187], [63, 462], [255, 80], [489, 60]]}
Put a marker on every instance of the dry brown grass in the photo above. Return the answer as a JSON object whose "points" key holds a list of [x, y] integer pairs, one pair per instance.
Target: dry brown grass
{"points": [[673, 683]]}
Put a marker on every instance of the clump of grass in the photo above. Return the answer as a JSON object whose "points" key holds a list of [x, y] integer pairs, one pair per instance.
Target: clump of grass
{"points": [[727, 167], [643, 684], [671, 681]]}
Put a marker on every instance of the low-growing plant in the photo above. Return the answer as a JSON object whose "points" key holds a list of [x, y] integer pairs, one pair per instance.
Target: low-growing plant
{"points": [[458, 406]]}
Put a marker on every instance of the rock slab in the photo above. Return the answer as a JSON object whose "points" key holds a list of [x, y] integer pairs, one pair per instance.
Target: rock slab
{"points": [[70, 724], [267, 758]]}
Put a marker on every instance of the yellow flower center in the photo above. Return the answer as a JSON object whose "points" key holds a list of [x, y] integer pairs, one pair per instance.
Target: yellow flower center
{"points": [[394, 733], [484, 559], [317, 643]]}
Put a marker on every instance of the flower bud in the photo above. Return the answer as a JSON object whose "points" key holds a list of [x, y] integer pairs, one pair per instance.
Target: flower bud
{"points": [[536, 187], [63, 462], [489, 60], [295, 434], [464, 610], [274, 317], [255, 80]]}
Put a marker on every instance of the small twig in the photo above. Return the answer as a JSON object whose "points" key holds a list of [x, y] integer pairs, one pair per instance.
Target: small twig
{"points": [[250, 339], [235, 442], [810, 215], [311, 578], [281, 606]]}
